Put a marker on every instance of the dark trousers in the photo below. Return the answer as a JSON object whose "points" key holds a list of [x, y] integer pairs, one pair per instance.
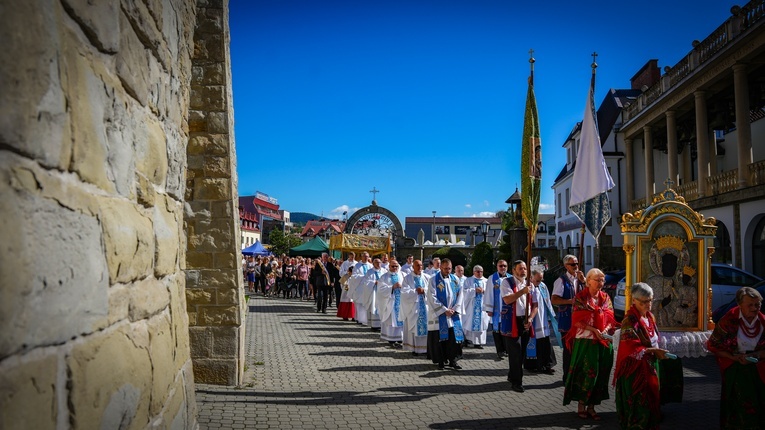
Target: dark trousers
{"points": [[499, 340], [322, 296], [516, 352], [566, 355], [544, 354], [338, 292], [443, 352], [262, 283]]}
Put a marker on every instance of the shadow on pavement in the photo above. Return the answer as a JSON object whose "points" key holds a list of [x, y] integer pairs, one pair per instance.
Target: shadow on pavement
{"points": [[533, 422], [330, 344], [308, 398]]}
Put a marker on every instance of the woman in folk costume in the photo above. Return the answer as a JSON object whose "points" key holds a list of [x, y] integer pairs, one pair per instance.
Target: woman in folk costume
{"points": [[389, 305], [476, 319], [592, 355], [444, 309], [345, 308], [739, 346], [637, 364]]}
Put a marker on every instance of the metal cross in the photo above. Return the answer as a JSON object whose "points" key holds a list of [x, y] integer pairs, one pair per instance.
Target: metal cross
{"points": [[669, 182], [594, 63], [374, 192]]}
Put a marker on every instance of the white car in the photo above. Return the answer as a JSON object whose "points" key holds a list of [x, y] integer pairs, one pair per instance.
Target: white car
{"points": [[726, 280], [620, 299]]}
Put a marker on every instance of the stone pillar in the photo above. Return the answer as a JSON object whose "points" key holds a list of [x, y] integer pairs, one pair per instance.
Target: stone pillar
{"points": [[687, 174], [630, 161], [743, 127], [702, 141], [649, 172], [214, 284], [672, 147], [712, 153]]}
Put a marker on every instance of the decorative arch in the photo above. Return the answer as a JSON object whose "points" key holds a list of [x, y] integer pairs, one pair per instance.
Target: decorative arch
{"points": [[375, 220], [723, 249]]}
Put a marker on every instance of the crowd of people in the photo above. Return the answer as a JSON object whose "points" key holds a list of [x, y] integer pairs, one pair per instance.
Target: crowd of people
{"points": [[436, 313]]}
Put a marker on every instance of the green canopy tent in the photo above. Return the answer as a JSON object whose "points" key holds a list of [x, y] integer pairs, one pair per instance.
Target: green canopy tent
{"points": [[312, 248]]}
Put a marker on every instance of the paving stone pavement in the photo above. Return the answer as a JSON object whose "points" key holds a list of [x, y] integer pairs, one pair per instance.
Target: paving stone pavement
{"points": [[309, 370]]}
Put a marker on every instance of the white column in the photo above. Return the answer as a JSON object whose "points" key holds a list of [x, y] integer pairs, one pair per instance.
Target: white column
{"points": [[649, 173], [743, 127], [702, 141], [630, 160], [672, 147]]}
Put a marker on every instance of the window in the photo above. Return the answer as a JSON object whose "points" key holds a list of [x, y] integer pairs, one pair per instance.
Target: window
{"points": [[568, 199], [560, 207]]}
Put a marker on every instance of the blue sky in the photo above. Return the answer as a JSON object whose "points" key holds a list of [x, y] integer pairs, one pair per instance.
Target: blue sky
{"points": [[424, 99]]}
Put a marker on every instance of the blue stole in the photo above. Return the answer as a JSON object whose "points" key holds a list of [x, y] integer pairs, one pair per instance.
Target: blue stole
{"points": [[477, 308], [564, 311], [396, 301], [443, 327], [496, 281], [422, 312]]}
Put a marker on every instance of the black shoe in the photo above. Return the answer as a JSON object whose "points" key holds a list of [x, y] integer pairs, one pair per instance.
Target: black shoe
{"points": [[517, 388], [317, 311], [499, 357], [548, 371], [478, 346], [455, 366], [440, 366], [324, 311]]}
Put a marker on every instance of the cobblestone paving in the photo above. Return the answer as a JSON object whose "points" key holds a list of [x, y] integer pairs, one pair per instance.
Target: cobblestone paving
{"points": [[310, 370]]}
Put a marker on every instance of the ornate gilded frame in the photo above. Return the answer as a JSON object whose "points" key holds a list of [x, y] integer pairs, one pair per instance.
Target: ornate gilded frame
{"points": [[669, 213]]}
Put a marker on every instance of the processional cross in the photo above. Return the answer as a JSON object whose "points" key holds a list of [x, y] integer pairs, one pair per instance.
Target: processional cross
{"points": [[374, 192]]}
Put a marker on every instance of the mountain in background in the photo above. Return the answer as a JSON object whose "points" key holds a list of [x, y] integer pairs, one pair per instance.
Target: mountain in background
{"points": [[302, 217]]}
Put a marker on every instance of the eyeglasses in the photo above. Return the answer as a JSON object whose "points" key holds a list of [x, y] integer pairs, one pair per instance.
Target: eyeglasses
{"points": [[645, 302], [394, 267], [572, 264], [502, 265]]}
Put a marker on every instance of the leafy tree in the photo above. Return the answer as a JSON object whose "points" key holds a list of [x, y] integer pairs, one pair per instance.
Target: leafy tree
{"points": [[281, 243], [457, 258], [484, 256]]}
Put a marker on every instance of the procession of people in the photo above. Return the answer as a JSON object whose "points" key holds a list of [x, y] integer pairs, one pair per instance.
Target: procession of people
{"points": [[436, 313]]}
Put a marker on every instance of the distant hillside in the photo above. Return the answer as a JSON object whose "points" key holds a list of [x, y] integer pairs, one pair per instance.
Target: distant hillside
{"points": [[302, 217]]}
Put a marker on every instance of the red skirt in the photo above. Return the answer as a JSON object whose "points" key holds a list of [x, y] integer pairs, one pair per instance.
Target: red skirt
{"points": [[346, 310]]}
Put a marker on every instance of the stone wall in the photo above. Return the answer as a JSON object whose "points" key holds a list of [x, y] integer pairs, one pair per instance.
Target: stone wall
{"points": [[93, 138], [214, 291]]}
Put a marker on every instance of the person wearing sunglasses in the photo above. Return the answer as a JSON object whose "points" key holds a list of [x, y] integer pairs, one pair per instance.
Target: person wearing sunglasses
{"points": [[564, 289]]}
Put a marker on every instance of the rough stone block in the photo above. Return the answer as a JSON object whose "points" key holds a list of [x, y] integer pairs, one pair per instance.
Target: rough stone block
{"points": [[219, 316], [98, 20], [222, 278], [210, 20], [197, 121], [163, 365], [166, 234], [180, 320], [147, 297], [217, 167], [145, 193], [226, 260], [28, 393], [200, 296], [217, 122], [225, 341], [176, 158], [41, 129], [199, 260], [228, 296], [151, 154], [129, 240], [223, 209], [58, 271], [119, 360], [209, 144], [212, 189], [200, 341], [208, 98], [218, 372], [119, 303], [131, 61]]}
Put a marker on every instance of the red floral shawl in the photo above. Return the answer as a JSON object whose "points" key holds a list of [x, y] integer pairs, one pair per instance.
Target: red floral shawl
{"points": [[725, 338], [585, 313], [633, 339]]}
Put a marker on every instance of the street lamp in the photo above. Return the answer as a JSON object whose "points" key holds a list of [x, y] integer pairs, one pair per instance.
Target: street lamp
{"points": [[485, 229], [433, 232]]}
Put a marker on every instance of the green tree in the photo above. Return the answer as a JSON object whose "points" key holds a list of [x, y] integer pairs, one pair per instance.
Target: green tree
{"points": [[281, 243], [457, 258], [484, 256]]}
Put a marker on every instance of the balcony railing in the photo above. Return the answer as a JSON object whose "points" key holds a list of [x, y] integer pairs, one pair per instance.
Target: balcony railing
{"points": [[757, 173], [722, 182], [700, 54], [689, 190]]}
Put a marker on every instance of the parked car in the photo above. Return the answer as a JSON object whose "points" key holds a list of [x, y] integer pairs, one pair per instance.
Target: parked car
{"points": [[620, 299], [612, 279], [726, 280], [722, 310]]}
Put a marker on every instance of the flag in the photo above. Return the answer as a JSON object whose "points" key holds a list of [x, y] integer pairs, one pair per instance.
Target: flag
{"points": [[531, 162], [591, 182]]}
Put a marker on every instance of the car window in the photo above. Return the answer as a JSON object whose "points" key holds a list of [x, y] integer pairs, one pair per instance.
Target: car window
{"points": [[731, 276]]}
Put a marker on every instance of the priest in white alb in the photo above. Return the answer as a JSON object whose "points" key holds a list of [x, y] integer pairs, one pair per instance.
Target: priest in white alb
{"points": [[414, 304], [389, 305], [354, 288], [476, 319], [368, 293]]}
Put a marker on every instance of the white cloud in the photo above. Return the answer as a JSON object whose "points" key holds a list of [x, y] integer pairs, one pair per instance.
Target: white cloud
{"points": [[546, 207], [468, 206], [484, 214], [338, 211]]}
